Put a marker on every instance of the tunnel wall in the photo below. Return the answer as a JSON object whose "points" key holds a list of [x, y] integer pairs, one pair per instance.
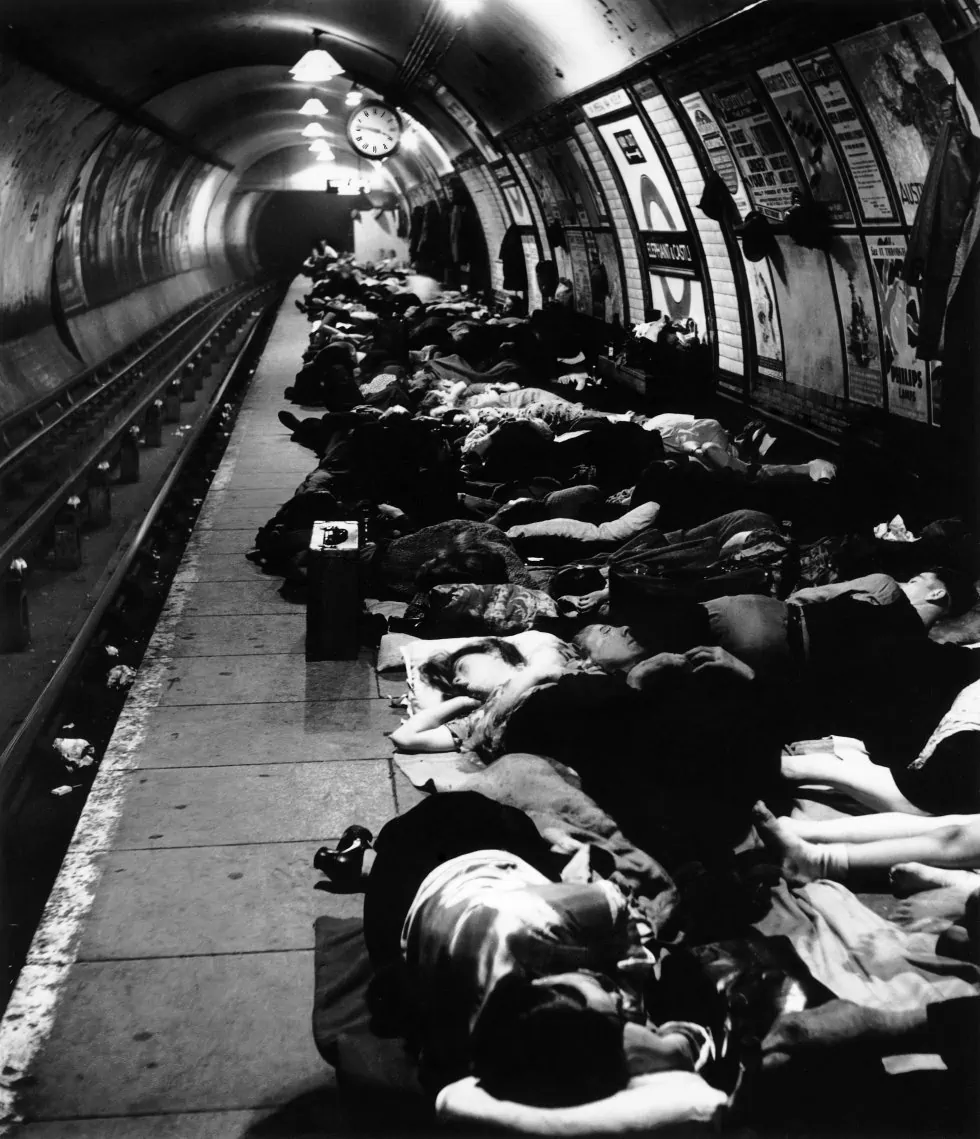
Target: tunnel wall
{"points": [[104, 233]]}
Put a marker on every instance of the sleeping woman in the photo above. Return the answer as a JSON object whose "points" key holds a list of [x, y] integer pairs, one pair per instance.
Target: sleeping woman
{"points": [[484, 682]]}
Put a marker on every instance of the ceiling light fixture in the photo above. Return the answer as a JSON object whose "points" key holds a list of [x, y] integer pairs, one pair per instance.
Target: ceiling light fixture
{"points": [[354, 98], [317, 65], [313, 130], [462, 8], [319, 144], [313, 107]]}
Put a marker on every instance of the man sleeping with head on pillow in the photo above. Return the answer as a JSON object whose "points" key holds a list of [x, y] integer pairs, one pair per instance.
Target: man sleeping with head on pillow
{"points": [[505, 972]]}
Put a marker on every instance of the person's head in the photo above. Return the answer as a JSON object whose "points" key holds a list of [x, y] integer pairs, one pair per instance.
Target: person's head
{"points": [[611, 647], [476, 564], [553, 1042], [475, 669], [938, 592]]}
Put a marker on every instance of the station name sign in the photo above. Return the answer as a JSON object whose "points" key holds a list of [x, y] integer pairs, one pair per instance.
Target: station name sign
{"points": [[669, 251]]}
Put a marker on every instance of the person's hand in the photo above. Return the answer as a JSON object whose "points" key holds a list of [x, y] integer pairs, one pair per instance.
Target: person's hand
{"points": [[713, 658], [821, 470], [813, 1032], [648, 672]]}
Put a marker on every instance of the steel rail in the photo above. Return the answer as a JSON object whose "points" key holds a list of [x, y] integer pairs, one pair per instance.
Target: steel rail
{"points": [[19, 453], [23, 537], [34, 721]]}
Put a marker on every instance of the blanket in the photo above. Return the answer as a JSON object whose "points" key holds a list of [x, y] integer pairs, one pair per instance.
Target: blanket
{"points": [[552, 796], [861, 957]]}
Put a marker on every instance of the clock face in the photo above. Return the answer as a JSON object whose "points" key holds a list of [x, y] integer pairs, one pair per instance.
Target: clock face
{"points": [[374, 130]]}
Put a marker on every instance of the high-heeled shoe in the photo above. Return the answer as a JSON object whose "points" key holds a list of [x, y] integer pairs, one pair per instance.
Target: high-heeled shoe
{"points": [[345, 864]]}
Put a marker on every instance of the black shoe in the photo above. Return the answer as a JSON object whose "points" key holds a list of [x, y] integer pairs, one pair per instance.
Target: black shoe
{"points": [[345, 864], [287, 419]]}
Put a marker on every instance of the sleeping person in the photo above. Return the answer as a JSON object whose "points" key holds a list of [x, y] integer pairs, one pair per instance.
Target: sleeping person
{"points": [[500, 968]]}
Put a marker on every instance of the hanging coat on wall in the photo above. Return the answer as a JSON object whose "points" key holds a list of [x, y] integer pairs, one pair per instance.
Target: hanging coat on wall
{"points": [[599, 280], [934, 249], [512, 257], [415, 231], [556, 234]]}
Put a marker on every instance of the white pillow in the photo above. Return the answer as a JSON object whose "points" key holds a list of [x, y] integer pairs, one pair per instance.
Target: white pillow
{"points": [[648, 1103]]}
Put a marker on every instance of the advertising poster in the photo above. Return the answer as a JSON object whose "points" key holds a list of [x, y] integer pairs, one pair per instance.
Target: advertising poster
{"points": [[595, 195], [606, 247], [899, 306], [862, 339], [765, 320], [822, 75], [512, 192], [809, 139], [570, 174], [650, 192], [904, 81], [767, 166], [808, 314], [715, 143], [580, 271], [553, 196], [678, 298]]}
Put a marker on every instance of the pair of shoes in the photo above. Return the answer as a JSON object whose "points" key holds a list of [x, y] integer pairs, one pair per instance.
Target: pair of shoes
{"points": [[344, 865]]}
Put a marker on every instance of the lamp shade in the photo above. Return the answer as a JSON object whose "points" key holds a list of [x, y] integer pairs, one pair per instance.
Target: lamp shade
{"points": [[323, 153], [319, 144], [354, 98], [316, 66], [313, 130], [313, 107]]}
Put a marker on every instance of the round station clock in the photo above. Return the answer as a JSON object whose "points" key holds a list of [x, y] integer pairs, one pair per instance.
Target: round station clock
{"points": [[374, 129]]}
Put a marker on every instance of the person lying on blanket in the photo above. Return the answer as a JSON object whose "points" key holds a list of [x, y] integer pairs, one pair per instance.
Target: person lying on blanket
{"points": [[680, 762], [500, 969], [484, 681]]}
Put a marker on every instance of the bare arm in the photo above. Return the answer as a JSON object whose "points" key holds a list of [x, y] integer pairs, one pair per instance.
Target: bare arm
{"points": [[427, 731]]}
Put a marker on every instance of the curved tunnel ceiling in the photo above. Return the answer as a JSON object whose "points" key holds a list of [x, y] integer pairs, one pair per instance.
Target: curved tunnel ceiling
{"points": [[217, 70]]}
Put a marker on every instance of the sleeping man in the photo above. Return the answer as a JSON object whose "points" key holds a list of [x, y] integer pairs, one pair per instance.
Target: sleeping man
{"points": [[500, 969]]}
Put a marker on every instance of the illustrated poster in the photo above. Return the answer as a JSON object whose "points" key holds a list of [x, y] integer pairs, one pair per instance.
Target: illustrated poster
{"points": [[606, 246], [862, 338], [809, 139], [580, 271], [650, 193], [905, 81], [765, 319], [719, 152], [808, 314], [595, 192], [898, 302], [766, 165], [570, 172], [823, 76]]}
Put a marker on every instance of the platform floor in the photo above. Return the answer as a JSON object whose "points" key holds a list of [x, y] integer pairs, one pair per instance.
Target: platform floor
{"points": [[169, 990]]}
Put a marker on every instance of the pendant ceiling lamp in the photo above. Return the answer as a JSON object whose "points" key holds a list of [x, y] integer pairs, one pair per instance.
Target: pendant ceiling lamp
{"points": [[314, 130], [321, 148], [316, 65], [313, 107], [325, 156], [354, 98]]}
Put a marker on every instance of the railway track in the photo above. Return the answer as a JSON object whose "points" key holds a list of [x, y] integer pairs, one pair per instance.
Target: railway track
{"points": [[40, 799], [59, 458]]}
